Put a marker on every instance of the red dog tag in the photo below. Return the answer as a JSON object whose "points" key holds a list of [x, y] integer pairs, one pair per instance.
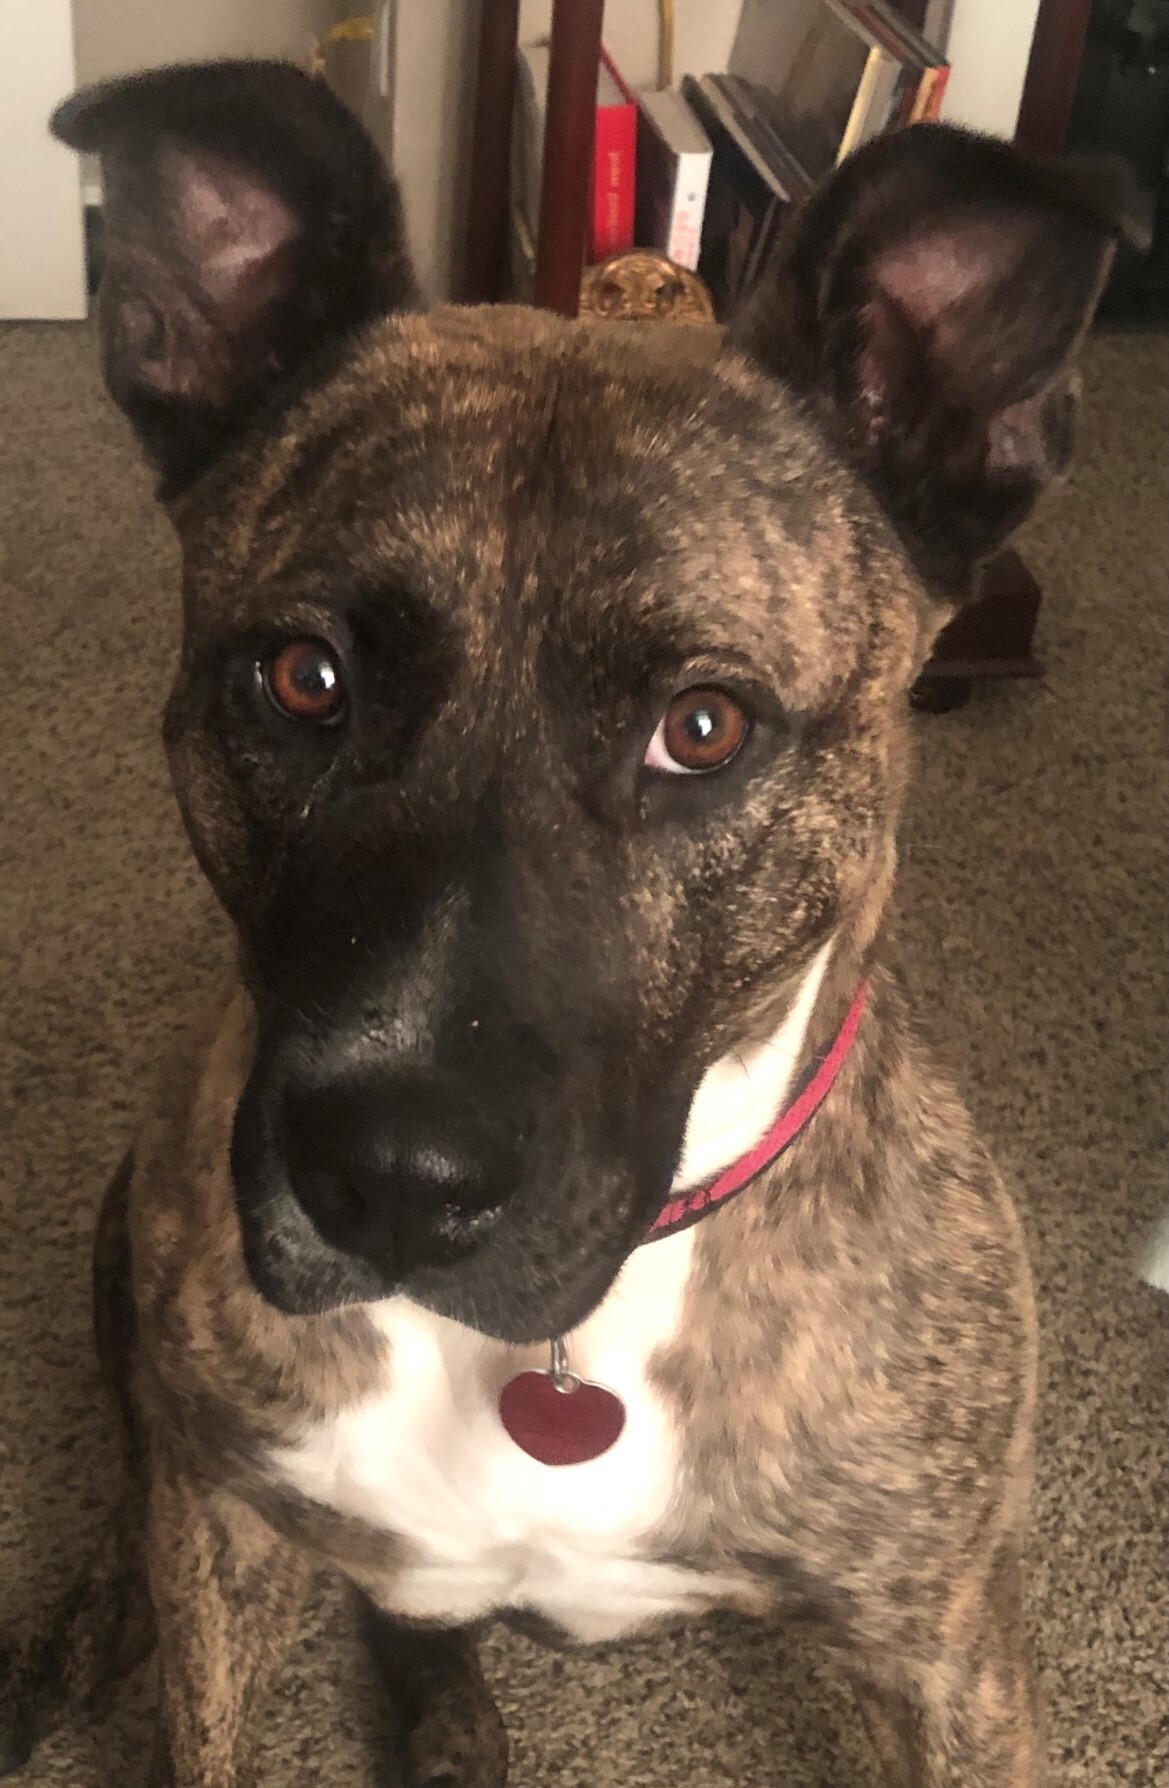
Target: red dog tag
{"points": [[560, 1419]]}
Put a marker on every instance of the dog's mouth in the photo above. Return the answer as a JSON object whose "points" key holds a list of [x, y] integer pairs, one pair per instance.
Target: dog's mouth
{"points": [[518, 1286], [522, 1258]]}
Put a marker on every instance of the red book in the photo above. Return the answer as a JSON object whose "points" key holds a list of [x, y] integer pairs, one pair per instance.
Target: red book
{"points": [[614, 164], [931, 102]]}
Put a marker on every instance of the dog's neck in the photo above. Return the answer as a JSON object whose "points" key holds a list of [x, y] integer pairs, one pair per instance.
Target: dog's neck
{"points": [[688, 1205], [740, 1094]]}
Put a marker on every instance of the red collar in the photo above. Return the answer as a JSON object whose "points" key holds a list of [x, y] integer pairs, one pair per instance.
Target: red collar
{"points": [[814, 1086]]}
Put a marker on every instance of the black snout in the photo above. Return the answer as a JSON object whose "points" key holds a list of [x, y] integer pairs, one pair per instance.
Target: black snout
{"points": [[396, 1170]]}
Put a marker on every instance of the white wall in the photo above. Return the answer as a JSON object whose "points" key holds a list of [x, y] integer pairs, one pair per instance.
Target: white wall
{"points": [[990, 43], [119, 36], [434, 102], [42, 260], [703, 33]]}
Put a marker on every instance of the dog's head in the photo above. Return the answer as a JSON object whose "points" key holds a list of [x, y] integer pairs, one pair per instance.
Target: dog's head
{"points": [[542, 702]]}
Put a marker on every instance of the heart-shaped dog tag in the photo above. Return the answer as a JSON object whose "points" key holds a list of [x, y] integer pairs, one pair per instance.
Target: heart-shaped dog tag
{"points": [[558, 1418]]}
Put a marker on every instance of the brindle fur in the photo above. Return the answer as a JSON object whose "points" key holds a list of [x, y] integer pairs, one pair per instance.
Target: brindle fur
{"points": [[548, 520]]}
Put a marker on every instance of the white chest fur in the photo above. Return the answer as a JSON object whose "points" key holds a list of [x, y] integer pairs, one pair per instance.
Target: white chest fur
{"points": [[487, 1527], [428, 1459]]}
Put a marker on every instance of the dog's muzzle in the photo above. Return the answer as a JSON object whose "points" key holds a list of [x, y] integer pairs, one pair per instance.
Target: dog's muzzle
{"points": [[351, 1182], [507, 1209], [398, 1171]]}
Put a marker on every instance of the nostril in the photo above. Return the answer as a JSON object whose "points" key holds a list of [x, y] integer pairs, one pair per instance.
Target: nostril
{"points": [[392, 1170], [332, 1196], [317, 1133]]}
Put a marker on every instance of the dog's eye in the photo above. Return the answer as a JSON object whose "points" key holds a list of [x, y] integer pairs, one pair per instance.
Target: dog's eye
{"points": [[701, 730], [303, 680]]}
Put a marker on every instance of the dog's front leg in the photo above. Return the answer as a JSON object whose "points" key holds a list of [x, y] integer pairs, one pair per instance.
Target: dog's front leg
{"points": [[967, 1718], [227, 1593], [451, 1729], [970, 1728]]}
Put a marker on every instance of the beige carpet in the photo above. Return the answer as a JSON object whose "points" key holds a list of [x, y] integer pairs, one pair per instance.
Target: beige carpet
{"points": [[1034, 934]]}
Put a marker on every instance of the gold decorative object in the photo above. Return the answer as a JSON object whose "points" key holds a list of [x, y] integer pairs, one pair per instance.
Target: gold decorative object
{"points": [[642, 286], [358, 29]]}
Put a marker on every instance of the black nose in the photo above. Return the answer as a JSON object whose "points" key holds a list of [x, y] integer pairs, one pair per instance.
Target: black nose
{"points": [[399, 1171]]}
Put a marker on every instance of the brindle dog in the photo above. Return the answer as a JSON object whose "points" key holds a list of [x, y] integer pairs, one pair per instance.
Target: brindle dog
{"points": [[541, 722]]}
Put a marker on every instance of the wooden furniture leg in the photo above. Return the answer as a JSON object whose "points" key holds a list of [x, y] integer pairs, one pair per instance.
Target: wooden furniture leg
{"points": [[992, 636], [1057, 50], [568, 153]]}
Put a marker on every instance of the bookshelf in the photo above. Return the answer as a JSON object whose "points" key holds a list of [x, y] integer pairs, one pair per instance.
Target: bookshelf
{"points": [[576, 35]]}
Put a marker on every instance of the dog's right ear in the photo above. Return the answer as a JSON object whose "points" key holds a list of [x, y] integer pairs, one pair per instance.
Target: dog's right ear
{"points": [[249, 224], [928, 302]]}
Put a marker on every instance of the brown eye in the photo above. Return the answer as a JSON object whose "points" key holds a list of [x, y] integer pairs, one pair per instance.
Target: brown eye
{"points": [[303, 680], [702, 729]]}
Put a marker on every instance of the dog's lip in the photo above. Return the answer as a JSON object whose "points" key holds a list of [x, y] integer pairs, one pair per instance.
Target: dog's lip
{"points": [[332, 1280], [295, 1269], [513, 1329], [300, 1272]]}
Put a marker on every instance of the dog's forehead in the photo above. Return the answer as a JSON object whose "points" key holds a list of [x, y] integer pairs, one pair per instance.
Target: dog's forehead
{"points": [[489, 456]]}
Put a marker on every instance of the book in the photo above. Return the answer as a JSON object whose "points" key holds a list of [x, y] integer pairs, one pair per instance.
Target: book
{"points": [[673, 171], [614, 164], [746, 199], [741, 103], [828, 75], [874, 92], [812, 72], [521, 262], [527, 137], [929, 104], [893, 104], [924, 64], [733, 102], [939, 16], [611, 200]]}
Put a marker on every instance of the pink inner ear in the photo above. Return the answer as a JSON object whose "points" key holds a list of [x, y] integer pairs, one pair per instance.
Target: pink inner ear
{"points": [[970, 285], [927, 274], [231, 226], [184, 317]]}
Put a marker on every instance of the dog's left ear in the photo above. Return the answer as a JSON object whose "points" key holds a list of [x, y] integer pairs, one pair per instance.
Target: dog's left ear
{"points": [[928, 301], [249, 224]]}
